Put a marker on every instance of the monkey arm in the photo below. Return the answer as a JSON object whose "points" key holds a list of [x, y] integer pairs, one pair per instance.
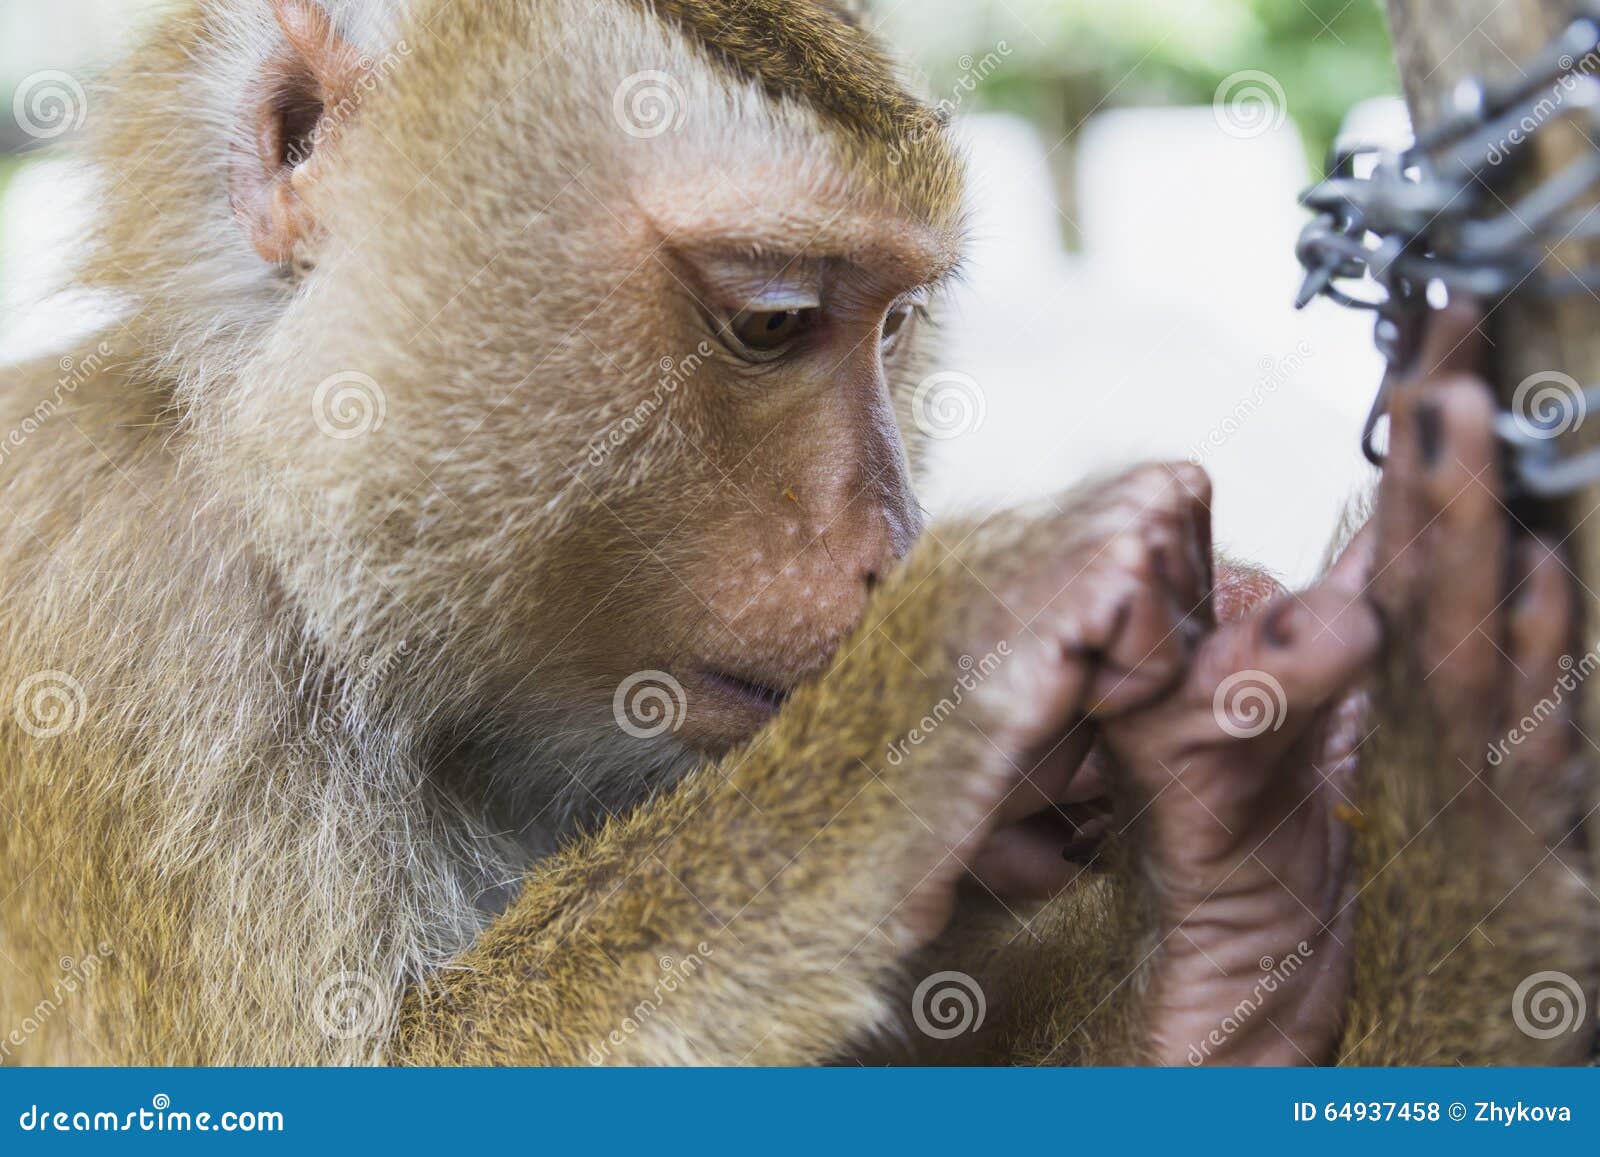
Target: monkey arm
{"points": [[755, 913], [1064, 982], [706, 928], [1477, 930], [1461, 935], [627, 951]]}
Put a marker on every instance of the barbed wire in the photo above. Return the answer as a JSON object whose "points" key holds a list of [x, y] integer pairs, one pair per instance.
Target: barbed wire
{"points": [[1399, 230]]}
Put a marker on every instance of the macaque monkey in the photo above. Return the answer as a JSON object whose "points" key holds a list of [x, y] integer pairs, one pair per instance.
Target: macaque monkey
{"points": [[471, 605]]}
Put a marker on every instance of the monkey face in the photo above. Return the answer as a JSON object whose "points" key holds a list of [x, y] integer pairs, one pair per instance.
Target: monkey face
{"points": [[564, 398], [785, 442]]}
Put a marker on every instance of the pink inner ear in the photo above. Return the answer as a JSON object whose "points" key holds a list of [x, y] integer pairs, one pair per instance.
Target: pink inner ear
{"points": [[282, 116], [299, 114]]}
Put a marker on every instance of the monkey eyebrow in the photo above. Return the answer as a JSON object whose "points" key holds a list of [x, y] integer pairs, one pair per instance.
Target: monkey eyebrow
{"points": [[804, 233], [736, 274]]}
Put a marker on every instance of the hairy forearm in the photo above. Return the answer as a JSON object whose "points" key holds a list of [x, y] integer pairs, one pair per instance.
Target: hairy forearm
{"points": [[1060, 983], [1454, 922], [701, 929], [785, 873]]}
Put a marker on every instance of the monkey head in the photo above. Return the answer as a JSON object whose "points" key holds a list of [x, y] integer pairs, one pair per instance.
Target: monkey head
{"points": [[571, 348]]}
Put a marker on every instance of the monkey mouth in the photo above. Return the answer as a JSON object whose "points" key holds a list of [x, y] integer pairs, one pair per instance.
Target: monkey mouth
{"points": [[727, 708], [742, 693]]}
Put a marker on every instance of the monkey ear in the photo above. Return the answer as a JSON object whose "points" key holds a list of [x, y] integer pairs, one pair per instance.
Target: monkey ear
{"points": [[304, 93]]}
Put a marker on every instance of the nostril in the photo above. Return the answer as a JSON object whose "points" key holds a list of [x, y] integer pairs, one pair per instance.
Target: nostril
{"points": [[871, 578]]}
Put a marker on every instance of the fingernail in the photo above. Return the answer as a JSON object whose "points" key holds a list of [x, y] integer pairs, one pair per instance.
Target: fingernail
{"points": [[1430, 432]]}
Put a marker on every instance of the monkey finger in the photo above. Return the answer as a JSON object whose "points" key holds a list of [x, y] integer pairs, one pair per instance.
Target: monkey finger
{"points": [[1194, 576], [1352, 570], [1452, 347], [1464, 546], [1027, 860], [1453, 344], [1538, 712], [1398, 519], [1049, 772], [1276, 673], [1147, 653]]}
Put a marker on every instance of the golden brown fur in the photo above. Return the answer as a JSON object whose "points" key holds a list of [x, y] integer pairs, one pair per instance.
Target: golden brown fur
{"points": [[312, 720], [339, 779]]}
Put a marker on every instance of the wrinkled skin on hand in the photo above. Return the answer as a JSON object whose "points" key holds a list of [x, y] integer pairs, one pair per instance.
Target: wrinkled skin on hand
{"points": [[1233, 790], [1241, 787], [1480, 785]]}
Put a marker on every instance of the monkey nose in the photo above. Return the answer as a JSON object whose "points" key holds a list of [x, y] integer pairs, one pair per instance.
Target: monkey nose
{"points": [[868, 549]]}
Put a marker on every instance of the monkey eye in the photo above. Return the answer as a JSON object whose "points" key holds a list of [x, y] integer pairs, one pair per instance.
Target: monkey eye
{"points": [[895, 323], [765, 331]]}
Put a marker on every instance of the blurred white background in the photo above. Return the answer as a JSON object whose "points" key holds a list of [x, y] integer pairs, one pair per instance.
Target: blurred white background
{"points": [[1135, 169]]}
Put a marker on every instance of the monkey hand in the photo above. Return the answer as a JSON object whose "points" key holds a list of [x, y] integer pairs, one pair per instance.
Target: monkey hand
{"points": [[1478, 931], [1045, 622], [1234, 792]]}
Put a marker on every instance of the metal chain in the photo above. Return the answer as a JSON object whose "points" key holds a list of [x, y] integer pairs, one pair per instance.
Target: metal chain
{"points": [[1427, 216]]}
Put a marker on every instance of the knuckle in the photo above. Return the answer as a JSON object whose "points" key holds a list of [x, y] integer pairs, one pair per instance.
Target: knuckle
{"points": [[1193, 482]]}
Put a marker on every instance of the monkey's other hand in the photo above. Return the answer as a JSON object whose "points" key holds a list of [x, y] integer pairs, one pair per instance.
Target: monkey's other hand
{"points": [[1474, 789], [1046, 621], [1233, 799]]}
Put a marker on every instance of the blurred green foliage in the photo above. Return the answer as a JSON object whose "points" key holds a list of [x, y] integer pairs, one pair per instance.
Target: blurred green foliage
{"points": [[1071, 57]]}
